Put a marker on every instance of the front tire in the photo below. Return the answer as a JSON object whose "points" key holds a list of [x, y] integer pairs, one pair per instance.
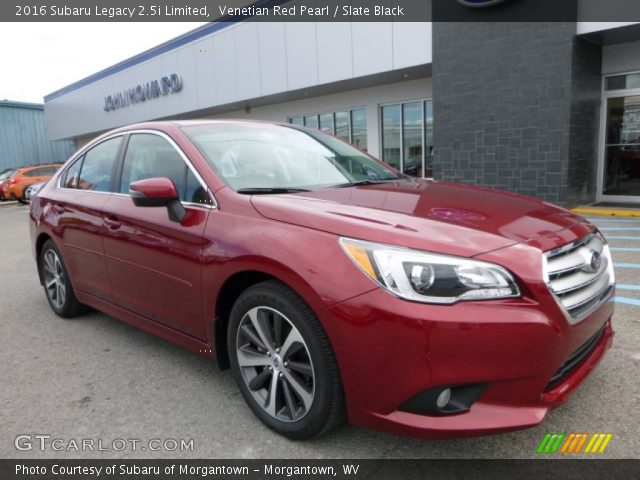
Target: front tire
{"points": [[283, 363], [57, 286]]}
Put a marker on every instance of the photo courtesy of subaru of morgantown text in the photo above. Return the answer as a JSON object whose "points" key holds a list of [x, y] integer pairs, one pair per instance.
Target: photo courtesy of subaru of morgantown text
{"points": [[331, 284]]}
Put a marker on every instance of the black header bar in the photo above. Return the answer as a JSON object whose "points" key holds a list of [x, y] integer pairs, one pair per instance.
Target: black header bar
{"points": [[318, 469], [320, 10]]}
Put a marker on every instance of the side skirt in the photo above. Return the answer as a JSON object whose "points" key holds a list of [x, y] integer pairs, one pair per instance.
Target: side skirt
{"points": [[166, 333]]}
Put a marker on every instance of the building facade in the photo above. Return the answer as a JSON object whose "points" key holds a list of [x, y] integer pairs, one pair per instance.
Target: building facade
{"points": [[549, 109], [23, 139]]}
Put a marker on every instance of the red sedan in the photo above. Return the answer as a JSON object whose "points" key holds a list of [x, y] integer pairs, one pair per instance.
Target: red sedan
{"points": [[331, 284]]}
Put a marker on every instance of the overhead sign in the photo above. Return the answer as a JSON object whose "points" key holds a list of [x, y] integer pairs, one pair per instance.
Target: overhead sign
{"points": [[480, 3], [143, 92]]}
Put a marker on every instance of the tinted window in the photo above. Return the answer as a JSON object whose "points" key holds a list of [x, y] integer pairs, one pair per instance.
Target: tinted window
{"points": [[326, 122], [412, 143], [342, 125], [151, 156], [311, 121], [72, 174], [359, 128], [97, 168], [391, 135]]}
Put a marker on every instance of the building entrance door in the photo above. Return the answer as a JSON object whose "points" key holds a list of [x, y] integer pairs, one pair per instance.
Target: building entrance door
{"points": [[619, 165]]}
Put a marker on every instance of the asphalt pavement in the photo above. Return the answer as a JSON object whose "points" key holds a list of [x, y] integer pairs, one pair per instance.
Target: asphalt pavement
{"points": [[95, 378]]}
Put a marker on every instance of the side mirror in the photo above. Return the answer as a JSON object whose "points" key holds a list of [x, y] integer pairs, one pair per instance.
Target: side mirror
{"points": [[158, 192]]}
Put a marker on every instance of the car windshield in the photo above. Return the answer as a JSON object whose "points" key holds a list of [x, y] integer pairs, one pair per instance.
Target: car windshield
{"points": [[266, 158], [6, 174]]}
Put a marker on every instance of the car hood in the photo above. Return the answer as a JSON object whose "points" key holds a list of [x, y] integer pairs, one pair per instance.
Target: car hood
{"points": [[428, 215]]}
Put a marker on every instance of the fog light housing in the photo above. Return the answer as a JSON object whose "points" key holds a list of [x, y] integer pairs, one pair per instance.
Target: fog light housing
{"points": [[444, 399]]}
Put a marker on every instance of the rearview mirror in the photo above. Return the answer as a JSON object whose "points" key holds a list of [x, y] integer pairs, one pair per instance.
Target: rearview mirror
{"points": [[158, 192]]}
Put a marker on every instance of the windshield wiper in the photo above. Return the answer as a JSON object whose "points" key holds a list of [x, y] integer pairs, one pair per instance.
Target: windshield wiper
{"points": [[267, 190], [359, 182]]}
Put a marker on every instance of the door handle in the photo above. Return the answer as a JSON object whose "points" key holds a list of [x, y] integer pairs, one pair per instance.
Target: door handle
{"points": [[112, 222]]}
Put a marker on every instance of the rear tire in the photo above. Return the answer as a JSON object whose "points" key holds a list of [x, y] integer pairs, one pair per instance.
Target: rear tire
{"points": [[57, 286], [283, 362], [23, 198]]}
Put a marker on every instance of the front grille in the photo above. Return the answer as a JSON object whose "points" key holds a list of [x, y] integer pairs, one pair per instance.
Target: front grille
{"points": [[577, 286], [574, 360]]}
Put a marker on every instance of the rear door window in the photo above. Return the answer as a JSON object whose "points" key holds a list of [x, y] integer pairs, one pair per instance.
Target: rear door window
{"points": [[97, 168], [72, 174]]}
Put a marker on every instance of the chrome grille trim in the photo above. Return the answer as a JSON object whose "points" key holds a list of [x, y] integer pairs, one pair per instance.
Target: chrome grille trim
{"points": [[578, 289]]}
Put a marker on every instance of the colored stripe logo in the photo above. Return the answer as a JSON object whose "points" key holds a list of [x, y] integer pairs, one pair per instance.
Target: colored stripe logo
{"points": [[573, 443]]}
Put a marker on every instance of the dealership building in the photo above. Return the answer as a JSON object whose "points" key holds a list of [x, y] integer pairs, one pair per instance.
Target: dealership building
{"points": [[549, 109]]}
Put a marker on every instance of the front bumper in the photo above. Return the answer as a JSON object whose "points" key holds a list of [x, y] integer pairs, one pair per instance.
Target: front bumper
{"points": [[390, 350]]}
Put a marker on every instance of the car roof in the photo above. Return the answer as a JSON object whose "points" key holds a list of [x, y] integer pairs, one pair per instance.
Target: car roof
{"points": [[165, 125]]}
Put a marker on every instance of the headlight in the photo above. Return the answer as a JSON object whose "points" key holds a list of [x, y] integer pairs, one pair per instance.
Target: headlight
{"points": [[428, 277]]}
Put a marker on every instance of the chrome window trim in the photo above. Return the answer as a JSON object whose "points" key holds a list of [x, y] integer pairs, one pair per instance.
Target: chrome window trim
{"points": [[184, 157]]}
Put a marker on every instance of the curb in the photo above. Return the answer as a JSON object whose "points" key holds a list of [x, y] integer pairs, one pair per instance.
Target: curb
{"points": [[631, 212], [12, 202]]}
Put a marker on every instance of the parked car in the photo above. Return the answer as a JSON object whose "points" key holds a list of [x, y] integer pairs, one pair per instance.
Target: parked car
{"points": [[4, 179], [328, 282], [32, 190], [20, 180]]}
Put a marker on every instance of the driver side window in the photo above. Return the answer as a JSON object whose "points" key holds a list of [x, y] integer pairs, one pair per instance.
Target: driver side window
{"points": [[151, 156]]}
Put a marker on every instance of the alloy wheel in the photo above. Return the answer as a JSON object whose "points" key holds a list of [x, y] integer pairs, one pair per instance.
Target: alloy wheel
{"points": [[54, 280], [275, 364]]}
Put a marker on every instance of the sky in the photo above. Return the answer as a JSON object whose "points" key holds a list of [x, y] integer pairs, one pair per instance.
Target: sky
{"points": [[39, 58]]}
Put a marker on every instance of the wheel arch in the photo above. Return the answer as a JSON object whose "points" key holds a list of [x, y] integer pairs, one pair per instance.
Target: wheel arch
{"points": [[233, 286], [40, 241]]}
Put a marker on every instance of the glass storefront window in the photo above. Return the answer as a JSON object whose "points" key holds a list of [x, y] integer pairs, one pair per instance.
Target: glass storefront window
{"points": [[349, 125], [359, 128], [391, 135], [412, 144], [407, 137], [342, 125], [326, 122], [622, 149], [622, 82], [311, 121], [428, 139]]}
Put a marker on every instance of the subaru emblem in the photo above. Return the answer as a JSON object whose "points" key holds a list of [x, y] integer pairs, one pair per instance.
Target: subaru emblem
{"points": [[596, 261]]}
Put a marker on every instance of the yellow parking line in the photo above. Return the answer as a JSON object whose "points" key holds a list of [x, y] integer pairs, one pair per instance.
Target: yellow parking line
{"points": [[632, 212]]}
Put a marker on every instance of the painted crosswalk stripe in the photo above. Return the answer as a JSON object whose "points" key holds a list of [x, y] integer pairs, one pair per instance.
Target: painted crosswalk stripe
{"points": [[633, 288], [624, 249], [626, 265], [627, 301], [619, 229], [615, 237], [596, 220]]}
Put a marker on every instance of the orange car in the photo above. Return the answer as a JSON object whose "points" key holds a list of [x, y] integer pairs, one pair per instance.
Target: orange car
{"points": [[23, 177]]}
